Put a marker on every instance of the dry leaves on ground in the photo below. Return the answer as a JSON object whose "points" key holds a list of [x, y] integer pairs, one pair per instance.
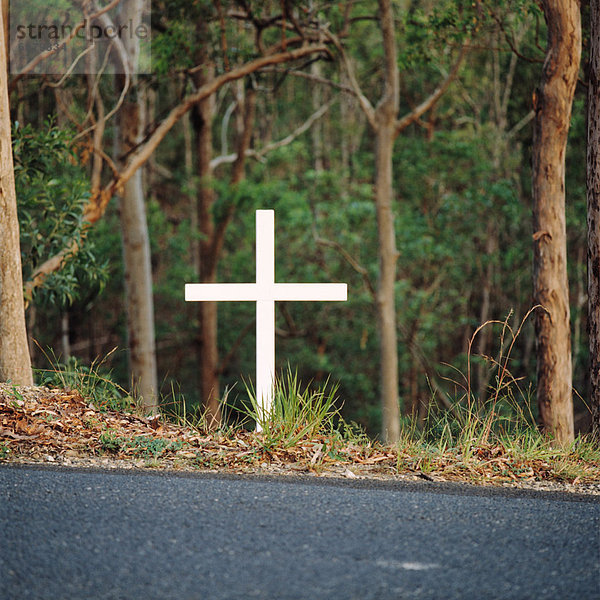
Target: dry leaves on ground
{"points": [[41, 425]]}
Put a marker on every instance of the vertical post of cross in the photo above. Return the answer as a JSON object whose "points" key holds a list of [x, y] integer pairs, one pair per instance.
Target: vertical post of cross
{"points": [[265, 312]]}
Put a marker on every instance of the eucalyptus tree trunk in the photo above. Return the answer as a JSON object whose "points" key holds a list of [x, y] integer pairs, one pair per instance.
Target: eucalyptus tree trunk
{"points": [[15, 363], [385, 135], [386, 297], [208, 357], [593, 215], [136, 243], [209, 353], [552, 103]]}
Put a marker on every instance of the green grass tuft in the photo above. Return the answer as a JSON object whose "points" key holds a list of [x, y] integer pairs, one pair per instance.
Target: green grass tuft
{"points": [[296, 412]]}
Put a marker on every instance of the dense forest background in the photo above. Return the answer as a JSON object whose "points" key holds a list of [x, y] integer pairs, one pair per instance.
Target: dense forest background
{"points": [[294, 136]]}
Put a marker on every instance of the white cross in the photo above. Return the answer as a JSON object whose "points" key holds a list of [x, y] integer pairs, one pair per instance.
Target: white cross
{"points": [[265, 292]]}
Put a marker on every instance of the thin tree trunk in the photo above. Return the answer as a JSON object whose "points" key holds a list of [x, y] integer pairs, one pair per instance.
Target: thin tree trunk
{"points": [[553, 103], [593, 215], [207, 311], [385, 135], [138, 291], [317, 129], [136, 242], [15, 363], [386, 304]]}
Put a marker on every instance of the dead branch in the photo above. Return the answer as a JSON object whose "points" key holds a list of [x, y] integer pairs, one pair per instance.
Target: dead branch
{"points": [[143, 152], [363, 101], [349, 259], [124, 58]]}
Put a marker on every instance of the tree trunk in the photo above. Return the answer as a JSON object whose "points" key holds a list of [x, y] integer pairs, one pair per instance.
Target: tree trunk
{"points": [[207, 311], [552, 103], [136, 243], [317, 129], [593, 215], [15, 363], [385, 135], [138, 292], [386, 300]]}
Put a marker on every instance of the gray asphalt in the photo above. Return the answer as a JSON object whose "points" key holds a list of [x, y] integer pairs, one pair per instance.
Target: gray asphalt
{"points": [[68, 534]]}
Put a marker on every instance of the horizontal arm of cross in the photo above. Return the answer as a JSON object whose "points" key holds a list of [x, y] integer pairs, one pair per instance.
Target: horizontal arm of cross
{"points": [[252, 292]]}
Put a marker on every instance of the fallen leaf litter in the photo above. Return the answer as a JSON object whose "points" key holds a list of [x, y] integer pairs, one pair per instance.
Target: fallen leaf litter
{"points": [[57, 426]]}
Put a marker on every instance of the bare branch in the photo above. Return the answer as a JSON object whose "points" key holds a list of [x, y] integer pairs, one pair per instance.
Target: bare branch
{"points": [[260, 154], [429, 102], [32, 64], [349, 259], [365, 105], [49, 266], [522, 123], [311, 77], [143, 152], [124, 58]]}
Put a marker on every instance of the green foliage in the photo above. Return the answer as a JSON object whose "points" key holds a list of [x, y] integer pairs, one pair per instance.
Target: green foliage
{"points": [[139, 445], [4, 451], [462, 216], [52, 191]]}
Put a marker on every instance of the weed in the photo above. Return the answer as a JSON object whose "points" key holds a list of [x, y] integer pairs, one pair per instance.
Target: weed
{"points": [[110, 442], [495, 437], [16, 394], [175, 407], [89, 382], [4, 451], [140, 445]]}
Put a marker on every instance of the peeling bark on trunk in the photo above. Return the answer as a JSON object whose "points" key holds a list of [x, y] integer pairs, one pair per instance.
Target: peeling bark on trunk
{"points": [[15, 363], [552, 103], [593, 215]]}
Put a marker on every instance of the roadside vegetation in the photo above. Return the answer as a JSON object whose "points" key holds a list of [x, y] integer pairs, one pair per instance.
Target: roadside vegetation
{"points": [[80, 417]]}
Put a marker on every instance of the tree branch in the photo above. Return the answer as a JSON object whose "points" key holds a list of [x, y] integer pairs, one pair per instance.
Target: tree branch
{"points": [[418, 111], [259, 154], [349, 259], [363, 101], [143, 152], [32, 64], [99, 201], [317, 79]]}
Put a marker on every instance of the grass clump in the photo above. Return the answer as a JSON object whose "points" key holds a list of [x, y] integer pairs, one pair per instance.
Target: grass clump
{"points": [[496, 438], [296, 412], [92, 382]]}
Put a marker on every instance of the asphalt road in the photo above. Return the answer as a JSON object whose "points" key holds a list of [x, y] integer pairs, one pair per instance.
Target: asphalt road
{"points": [[67, 534]]}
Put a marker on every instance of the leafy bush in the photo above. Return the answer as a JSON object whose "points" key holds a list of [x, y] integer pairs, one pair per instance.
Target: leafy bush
{"points": [[53, 191]]}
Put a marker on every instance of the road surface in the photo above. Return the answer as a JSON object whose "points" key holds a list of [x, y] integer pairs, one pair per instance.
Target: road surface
{"points": [[76, 534]]}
